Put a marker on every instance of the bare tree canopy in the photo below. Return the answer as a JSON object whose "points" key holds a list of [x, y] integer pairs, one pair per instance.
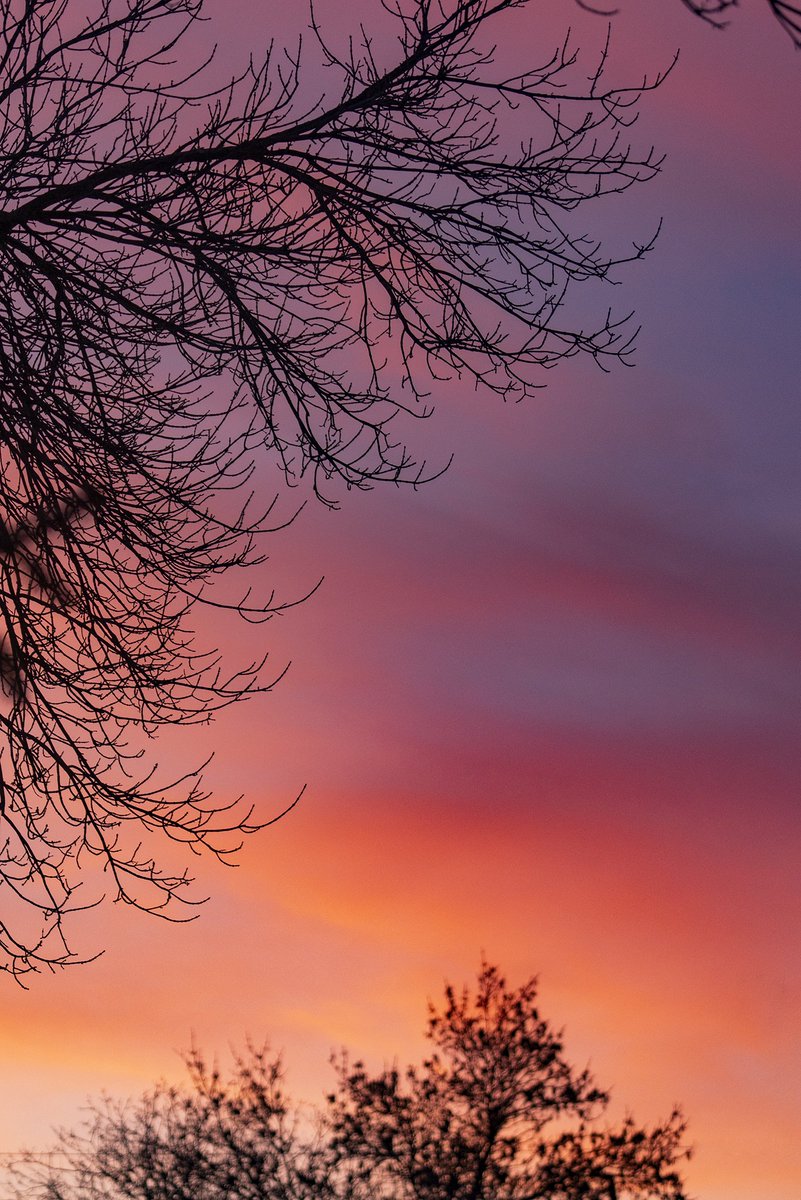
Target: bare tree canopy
{"points": [[496, 1113], [192, 278]]}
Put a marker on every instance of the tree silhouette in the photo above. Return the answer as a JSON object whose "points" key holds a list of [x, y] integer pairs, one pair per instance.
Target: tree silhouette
{"points": [[496, 1113], [195, 280], [473, 1122], [220, 1139]]}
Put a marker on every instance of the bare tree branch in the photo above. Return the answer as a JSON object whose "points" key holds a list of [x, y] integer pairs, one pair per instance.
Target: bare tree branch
{"points": [[194, 278], [715, 12]]}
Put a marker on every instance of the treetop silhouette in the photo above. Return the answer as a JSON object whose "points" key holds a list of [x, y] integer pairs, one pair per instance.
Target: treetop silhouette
{"points": [[495, 1113]]}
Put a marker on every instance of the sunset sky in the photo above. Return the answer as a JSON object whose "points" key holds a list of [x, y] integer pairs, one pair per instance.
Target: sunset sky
{"points": [[547, 707]]}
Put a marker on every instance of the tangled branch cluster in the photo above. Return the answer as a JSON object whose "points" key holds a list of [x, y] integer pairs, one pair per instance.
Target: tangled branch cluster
{"points": [[191, 278]]}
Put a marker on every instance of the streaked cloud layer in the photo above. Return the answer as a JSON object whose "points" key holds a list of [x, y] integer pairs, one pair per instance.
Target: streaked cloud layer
{"points": [[547, 707]]}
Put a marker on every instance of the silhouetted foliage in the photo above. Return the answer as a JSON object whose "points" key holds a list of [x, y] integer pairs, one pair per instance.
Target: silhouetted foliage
{"points": [[192, 279], [496, 1113]]}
